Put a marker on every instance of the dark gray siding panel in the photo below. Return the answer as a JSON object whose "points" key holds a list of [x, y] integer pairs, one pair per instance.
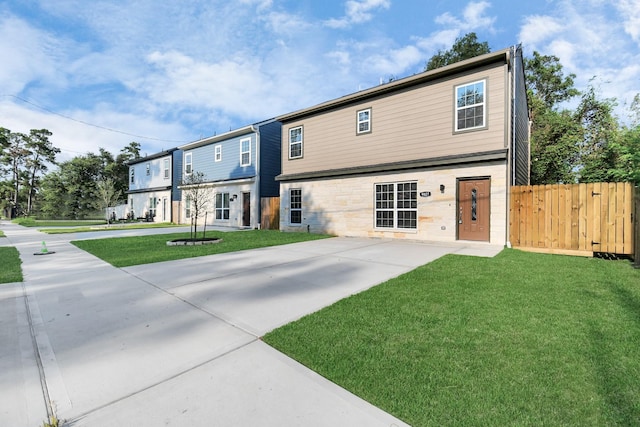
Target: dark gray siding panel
{"points": [[520, 122], [270, 158]]}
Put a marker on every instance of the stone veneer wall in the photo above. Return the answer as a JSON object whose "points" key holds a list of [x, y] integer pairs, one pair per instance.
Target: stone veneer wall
{"points": [[345, 206]]}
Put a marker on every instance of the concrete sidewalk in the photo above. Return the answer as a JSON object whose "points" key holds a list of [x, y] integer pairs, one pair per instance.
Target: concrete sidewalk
{"points": [[178, 342]]}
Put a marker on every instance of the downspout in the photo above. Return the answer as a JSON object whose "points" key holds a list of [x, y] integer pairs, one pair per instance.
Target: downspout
{"points": [[513, 141], [257, 180]]}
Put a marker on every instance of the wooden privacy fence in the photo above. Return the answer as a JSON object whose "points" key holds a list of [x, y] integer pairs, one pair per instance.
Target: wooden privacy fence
{"points": [[577, 219], [270, 213]]}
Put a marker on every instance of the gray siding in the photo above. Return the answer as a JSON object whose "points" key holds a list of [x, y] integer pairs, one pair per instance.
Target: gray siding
{"points": [[176, 173], [520, 122], [229, 167]]}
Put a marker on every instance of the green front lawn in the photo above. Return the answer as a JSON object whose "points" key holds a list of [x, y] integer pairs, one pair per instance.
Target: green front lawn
{"points": [[10, 262], [521, 339], [112, 227], [127, 251], [31, 222]]}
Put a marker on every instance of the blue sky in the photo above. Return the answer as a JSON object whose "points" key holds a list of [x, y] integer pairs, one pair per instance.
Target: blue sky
{"points": [[103, 73]]}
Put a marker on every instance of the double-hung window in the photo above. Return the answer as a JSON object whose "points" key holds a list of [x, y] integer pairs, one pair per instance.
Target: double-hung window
{"points": [[295, 142], [295, 206], [188, 164], [153, 205], [187, 207], [363, 118], [148, 167], [222, 206], [471, 111], [165, 166], [218, 153], [132, 174], [396, 205], [245, 152]]}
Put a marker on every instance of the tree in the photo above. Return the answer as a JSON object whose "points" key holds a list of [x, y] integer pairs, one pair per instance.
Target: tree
{"points": [[41, 152], [464, 47], [546, 80], [14, 154], [555, 133], [198, 196], [108, 195]]}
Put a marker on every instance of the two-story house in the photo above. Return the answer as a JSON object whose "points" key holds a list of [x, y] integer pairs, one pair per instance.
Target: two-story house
{"points": [[153, 192], [427, 157], [238, 168]]}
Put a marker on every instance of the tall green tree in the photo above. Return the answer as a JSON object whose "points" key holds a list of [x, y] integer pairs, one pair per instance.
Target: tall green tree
{"points": [[12, 161], [464, 47], [555, 133], [41, 154]]}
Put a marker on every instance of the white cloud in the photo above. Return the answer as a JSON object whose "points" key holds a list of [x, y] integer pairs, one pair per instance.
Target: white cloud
{"points": [[395, 61], [473, 18], [358, 12], [630, 13], [537, 29]]}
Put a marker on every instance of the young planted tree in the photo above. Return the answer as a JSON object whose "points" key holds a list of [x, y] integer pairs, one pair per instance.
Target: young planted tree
{"points": [[198, 195], [108, 195]]}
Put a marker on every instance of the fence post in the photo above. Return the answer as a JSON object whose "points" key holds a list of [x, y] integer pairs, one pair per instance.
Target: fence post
{"points": [[636, 227]]}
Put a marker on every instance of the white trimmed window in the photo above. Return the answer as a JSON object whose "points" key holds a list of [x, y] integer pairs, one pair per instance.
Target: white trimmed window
{"points": [[222, 206], [295, 206], [218, 153], [396, 205], [295, 142], [188, 164], [148, 167], [153, 205], [132, 174], [187, 207], [245, 152], [471, 106], [166, 166], [363, 118]]}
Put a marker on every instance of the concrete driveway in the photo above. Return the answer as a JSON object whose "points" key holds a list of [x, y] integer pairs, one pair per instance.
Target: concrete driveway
{"points": [[177, 343]]}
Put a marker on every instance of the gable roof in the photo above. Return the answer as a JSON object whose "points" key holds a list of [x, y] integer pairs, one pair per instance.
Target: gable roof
{"points": [[397, 85]]}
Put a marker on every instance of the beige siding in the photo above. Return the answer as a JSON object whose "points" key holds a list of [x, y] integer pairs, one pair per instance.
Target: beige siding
{"points": [[415, 123], [345, 206]]}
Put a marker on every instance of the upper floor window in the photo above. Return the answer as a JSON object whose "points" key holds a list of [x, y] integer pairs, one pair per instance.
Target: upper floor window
{"points": [[148, 167], [364, 121], [470, 106], [295, 142], [245, 152], [218, 153], [166, 166], [132, 173], [188, 164]]}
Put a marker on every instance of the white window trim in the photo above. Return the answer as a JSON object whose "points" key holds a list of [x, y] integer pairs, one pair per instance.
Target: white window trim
{"points": [[188, 161], [291, 209], [358, 121], [222, 208], [395, 208], [148, 169], [218, 153], [483, 103], [245, 152], [301, 142], [166, 168], [132, 175]]}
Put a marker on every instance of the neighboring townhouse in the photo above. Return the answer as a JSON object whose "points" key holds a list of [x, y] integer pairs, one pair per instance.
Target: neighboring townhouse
{"points": [[239, 169], [153, 191], [427, 157]]}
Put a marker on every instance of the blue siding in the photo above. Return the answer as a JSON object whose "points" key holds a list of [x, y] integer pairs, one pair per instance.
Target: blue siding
{"points": [[270, 159], [176, 174], [229, 167]]}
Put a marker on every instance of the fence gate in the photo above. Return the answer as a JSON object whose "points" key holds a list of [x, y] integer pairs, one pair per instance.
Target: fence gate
{"points": [[577, 219], [270, 213]]}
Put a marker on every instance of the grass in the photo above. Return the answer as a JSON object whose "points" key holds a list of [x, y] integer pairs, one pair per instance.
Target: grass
{"points": [[520, 339], [10, 262], [112, 227], [127, 251], [31, 222]]}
